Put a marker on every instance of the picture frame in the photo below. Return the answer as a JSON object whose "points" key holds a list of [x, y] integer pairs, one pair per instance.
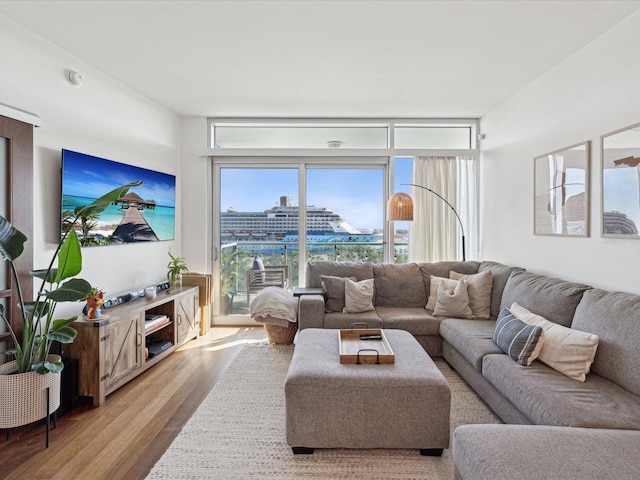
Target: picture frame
{"points": [[561, 191], [620, 183]]}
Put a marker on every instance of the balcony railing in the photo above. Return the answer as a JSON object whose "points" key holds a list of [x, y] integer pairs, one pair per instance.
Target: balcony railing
{"points": [[238, 257]]}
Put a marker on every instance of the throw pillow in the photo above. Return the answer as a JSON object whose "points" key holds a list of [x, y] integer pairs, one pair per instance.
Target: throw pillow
{"points": [[522, 342], [358, 296], [434, 283], [453, 301], [566, 350], [334, 292], [479, 286]]}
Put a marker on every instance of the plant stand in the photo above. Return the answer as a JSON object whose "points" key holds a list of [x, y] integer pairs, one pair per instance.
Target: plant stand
{"points": [[28, 397]]}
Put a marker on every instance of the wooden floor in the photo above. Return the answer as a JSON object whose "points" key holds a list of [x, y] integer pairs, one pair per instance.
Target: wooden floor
{"points": [[125, 437]]}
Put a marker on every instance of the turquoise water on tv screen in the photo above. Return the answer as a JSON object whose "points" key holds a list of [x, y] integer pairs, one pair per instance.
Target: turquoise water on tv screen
{"points": [[161, 219]]}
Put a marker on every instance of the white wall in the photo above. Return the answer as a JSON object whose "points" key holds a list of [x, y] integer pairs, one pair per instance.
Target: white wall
{"points": [[594, 92], [101, 118]]}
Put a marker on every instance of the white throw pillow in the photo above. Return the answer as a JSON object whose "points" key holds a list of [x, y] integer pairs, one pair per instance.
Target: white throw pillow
{"points": [[453, 301], [358, 296], [434, 283], [479, 287], [566, 350]]}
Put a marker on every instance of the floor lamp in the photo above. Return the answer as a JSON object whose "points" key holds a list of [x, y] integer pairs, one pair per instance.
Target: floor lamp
{"points": [[400, 207]]}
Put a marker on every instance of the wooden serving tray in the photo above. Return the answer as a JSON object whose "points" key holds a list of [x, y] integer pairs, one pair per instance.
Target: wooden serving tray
{"points": [[354, 350]]}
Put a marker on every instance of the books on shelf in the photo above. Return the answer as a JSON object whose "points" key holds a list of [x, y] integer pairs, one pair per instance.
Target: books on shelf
{"points": [[154, 322]]}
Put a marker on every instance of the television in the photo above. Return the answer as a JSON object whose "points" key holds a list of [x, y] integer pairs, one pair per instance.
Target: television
{"points": [[145, 214]]}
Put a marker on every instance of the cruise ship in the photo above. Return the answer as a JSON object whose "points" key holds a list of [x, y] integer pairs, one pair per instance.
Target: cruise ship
{"points": [[280, 224]]}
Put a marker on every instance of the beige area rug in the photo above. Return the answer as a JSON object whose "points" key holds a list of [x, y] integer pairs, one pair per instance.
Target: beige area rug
{"points": [[238, 432]]}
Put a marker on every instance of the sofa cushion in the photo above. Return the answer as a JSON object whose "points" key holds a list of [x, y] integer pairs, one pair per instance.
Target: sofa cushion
{"points": [[500, 274], [416, 321], [532, 452], [434, 284], [566, 350], [517, 339], [358, 296], [615, 318], [334, 292], [443, 270], [479, 286], [552, 298], [359, 270], [453, 301], [347, 320], [399, 285], [547, 397], [471, 338]]}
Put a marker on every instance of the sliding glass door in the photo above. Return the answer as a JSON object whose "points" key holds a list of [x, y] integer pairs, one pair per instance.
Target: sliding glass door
{"points": [[261, 210]]}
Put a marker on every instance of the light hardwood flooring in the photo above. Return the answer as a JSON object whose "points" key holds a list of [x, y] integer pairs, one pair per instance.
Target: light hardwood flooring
{"points": [[123, 438]]}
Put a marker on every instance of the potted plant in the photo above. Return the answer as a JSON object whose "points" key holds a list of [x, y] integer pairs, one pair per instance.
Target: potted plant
{"points": [[31, 350], [230, 264], [176, 266]]}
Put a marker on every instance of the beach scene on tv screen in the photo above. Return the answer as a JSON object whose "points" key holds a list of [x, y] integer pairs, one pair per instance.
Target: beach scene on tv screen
{"points": [[145, 214]]}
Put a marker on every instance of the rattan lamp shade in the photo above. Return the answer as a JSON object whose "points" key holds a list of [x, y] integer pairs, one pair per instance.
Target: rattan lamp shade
{"points": [[400, 207]]}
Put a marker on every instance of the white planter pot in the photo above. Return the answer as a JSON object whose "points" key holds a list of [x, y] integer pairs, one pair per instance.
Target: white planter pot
{"points": [[23, 396]]}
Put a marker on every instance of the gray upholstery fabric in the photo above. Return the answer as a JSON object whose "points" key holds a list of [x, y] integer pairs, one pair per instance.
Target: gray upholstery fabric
{"points": [[417, 321], [552, 298], [517, 452], [362, 271], [310, 311], [615, 318], [502, 407], [346, 320], [334, 288], [547, 397], [501, 274], [328, 403], [399, 285], [472, 338]]}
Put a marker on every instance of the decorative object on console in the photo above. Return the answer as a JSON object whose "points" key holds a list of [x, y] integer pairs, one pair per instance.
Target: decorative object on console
{"points": [[176, 266], [400, 207], [32, 346], [95, 301], [561, 193], [621, 183]]}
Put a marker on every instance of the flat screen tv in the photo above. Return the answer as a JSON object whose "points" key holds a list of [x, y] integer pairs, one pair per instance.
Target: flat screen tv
{"points": [[145, 214]]}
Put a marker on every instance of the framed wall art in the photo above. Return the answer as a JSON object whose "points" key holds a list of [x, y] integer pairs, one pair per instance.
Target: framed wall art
{"points": [[621, 183], [561, 192]]}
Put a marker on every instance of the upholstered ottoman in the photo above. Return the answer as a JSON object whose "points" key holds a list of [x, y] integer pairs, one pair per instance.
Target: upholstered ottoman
{"points": [[332, 405]]}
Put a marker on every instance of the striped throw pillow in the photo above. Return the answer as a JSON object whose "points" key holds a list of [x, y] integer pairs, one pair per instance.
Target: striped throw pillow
{"points": [[522, 342]]}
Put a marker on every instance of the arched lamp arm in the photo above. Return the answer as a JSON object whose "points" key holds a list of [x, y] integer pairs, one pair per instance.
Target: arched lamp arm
{"points": [[450, 206]]}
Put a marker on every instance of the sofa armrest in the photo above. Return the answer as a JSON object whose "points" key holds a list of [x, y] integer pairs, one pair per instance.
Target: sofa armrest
{"points": [[311, 312]]}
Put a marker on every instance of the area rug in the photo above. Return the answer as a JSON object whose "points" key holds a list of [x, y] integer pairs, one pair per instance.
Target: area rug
{"points": [[238, 432]]}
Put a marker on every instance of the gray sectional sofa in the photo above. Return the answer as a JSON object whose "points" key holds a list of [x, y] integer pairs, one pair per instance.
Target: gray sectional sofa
{"points": [[608, 400]]}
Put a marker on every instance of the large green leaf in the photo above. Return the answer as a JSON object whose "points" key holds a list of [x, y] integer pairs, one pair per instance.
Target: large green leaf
{"points": [[42, 274], [11, 240], [30, 307], [69, 258], [63, 335], [97, 206], [72, 291], [63, 322]]}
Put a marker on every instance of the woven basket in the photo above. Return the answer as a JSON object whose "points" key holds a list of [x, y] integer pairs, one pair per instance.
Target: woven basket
{"points": [[23, 396], [281, 335]]}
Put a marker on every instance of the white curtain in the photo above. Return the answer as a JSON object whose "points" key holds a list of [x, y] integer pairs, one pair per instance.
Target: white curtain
{"points": [[435, 233]]}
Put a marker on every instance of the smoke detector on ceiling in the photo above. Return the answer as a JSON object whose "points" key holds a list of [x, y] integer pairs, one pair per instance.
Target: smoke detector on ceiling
{"points": [[74, 78]]}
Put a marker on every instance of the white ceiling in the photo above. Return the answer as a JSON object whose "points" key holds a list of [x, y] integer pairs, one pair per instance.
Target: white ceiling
{"points": [[398, 59]]}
